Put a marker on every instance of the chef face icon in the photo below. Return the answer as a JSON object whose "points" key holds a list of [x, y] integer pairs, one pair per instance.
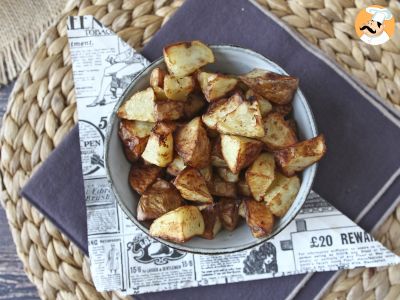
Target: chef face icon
{"points": [[375, 25]]}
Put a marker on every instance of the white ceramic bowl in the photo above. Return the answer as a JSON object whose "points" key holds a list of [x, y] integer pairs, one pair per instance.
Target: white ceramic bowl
{"points": [[230, 60]]}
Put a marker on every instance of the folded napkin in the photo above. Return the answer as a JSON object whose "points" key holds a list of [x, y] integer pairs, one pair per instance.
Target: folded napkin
{"points": [[361, 169]]}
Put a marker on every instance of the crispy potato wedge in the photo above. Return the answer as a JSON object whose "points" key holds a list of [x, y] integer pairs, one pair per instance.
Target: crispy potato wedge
{"points": [[158, 199], [243, 188], [141, 176], [219, 109], [301, 155], [215, 86], [239, 152], [139, 107], [168, 110], [242, 209], [192, 186], [157, 78], [221, 188], [178, 225], [259, 218], [184, 58], [245, 120], [274, 87], [177, 165], [134, 136], [212, 222], [193, 105], [217, 159], [260, 175], [193, 145], [178, 89], [160, 146], [281, 194], [278, 133], [284, 109], [229, 213], [264, 104], [227, 175]]}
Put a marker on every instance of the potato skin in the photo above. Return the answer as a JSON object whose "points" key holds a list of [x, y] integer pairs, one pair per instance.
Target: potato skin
{"points": [[134, 142], [157, 78], [141, 176], [212, 222], [259, 218], [229, 213], [192, 186], [157, 200]]}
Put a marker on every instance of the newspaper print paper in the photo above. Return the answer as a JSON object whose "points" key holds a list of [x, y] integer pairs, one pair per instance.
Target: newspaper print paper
{"points": [[123, 258]]}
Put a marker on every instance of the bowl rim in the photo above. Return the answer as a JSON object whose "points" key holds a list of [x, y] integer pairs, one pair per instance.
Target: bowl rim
{"points": [[207, 251]]}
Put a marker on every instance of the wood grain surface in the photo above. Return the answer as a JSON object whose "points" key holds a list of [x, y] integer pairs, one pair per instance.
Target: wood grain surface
{"points": [[13, 282]]}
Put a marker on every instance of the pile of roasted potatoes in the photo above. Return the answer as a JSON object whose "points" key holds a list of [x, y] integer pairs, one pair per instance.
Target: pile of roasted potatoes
{"points": [[209, 148]]}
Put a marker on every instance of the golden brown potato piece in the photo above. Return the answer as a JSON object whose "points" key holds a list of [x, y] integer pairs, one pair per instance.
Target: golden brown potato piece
{"points": [[219, 109], [242, 209], [193, 145], [176, 88], [160, 146], [229, 213], [184, 58], [177, 165], [217, 159], [227, 175], [141, 176], [264, 104], [193, 105], [259, 218], [178, 225], [192, 186], [212, 222], [245, 120], [278, 133], [134, 136], [274, 87], [157, 200], [157, 78], [239, 152], [301, 155], [284, 109], [168, 110], [260, 175], [215, 86], [139, 107], [221, 188], [243, 188], [282, 193]]}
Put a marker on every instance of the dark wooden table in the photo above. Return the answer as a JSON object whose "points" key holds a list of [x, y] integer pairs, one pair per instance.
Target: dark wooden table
{"points": [[14, 284]]}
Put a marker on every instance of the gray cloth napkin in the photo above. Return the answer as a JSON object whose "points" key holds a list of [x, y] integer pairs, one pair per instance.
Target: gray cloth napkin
{"points": [[360, 171]]}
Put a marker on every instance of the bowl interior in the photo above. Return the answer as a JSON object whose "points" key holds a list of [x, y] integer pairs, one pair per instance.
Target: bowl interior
{"points": [[230, 60]]}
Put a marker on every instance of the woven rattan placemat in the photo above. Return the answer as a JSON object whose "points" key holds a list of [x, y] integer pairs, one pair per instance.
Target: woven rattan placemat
{"points": [[42, 110]]}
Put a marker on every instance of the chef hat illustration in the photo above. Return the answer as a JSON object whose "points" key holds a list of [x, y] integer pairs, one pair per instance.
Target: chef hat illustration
{"points": [[379, 14]]}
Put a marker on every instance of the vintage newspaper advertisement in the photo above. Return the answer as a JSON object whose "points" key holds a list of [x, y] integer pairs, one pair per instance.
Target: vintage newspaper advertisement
{"points": [[123, 258]]}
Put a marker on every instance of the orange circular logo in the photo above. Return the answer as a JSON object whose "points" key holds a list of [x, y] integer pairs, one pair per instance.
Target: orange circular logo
{"points": [[375, 25]]}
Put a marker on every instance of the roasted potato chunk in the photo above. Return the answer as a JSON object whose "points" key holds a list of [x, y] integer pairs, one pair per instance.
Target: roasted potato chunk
{"points": [[221, 188], [242, 209], [157, 200], [301, 155], [141, 176], [229, 213], [278, 133], [176, 88], [207, 173], [160, 146], [177, 165], [284, 109], [239, 152], [212, 222], [215, 86], [227, 175], [167, 110], [217, 159], [274, 87], [139, 107], [193, 145], [264, 104], [243, 188], [219, 109], [281, 194], [178, 225], [157, 78], [192, 186], [134, 136], [245, 120], [260, 175], [184, 58], [259, 218], [193, 105]]}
